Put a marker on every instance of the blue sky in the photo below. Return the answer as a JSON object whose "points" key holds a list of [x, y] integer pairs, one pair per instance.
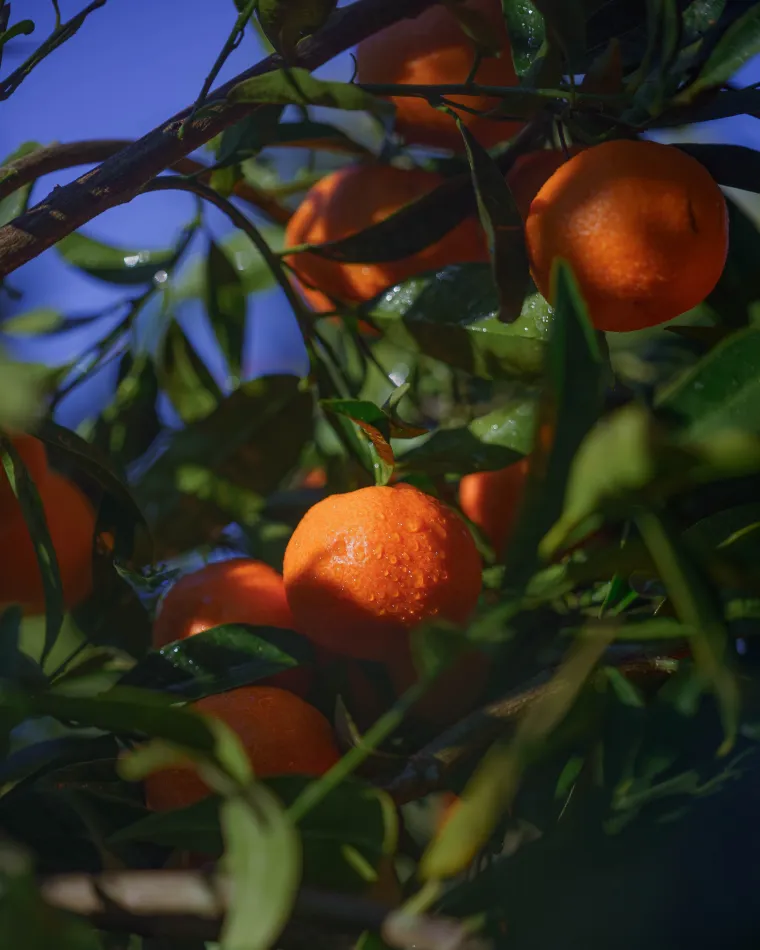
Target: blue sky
{"points": [[133, 64]]}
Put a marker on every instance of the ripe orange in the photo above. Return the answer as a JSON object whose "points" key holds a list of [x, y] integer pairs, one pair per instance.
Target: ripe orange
{"points": [[491, 499], [530, 171], [432, 49], [643, 225], [281, 733], [455, 692], [34, 456], [350, 200], [240, 590], [71, 523], [363, 568]]}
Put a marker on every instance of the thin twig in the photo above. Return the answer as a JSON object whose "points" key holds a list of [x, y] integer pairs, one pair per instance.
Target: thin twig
{"points": [[54, 158], [59, 36], [122, 176]]}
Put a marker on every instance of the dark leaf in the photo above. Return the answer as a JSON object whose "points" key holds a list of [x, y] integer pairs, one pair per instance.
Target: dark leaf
{"points": [[565, 23], [503, 227], [129, 425], [527, 31], [219, 659], [246, 138], [375, 426], [738, 45], [185, 377], [299, 87], [226, 305], [737, 294], [34, 515], [233, 457], [114, 265], [451, 315], [734, 166], [571, 403]]}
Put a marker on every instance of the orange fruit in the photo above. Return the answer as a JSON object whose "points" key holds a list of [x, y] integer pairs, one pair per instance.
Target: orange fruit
{"points": [[239, 590], [491, 499], [363, 568], [34, 456], [71, 523], [352, 199], [432, 49], [281, 733], [643, 225], [530, 171], [453, 694]]}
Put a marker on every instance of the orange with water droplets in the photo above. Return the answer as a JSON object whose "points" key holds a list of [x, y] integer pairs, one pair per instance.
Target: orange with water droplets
{"points": [[351, 199], [34, 456], [431, 49], [282, 734], [491, 501], [345, 592], [71, 523], [643, 225], [238, 590]]}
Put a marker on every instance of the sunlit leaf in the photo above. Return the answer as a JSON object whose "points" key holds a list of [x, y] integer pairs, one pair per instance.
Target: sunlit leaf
{"points": [[114, 265]]}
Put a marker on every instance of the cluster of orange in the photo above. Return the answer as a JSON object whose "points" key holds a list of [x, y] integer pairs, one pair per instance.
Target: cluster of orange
{"points": [[71, 523], [643, 225]]}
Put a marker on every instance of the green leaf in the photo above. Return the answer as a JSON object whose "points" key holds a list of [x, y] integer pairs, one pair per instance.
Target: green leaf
{"points": [[21, 28], [298, 87], [571, 403], [352, 819], [22, 390], [34, 515], [226, 305], [736, 298], [697, 607], [721, 392], [114, 265], [737, 46], [734, 166], [246, 138], [263, 858], [451, 315], [503, 227], [527, 32], [218, 659], [237, 453], [16, 203], [492, 441], [33, 322], [129, 425], [565, 23], [375, 426], [700, 17], [253, 271], [184, 376]]}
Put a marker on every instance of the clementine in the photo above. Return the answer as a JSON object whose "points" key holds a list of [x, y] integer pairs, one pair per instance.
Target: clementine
{"points": [[352, 199], [239, 590], [34, 456], [643, 225], [490, 500], [71, 524], [281, 733], [363, 568], [432, 49]]}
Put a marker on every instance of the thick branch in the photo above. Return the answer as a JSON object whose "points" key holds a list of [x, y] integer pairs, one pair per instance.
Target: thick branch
{"points": [[192, 904], [120, 177], [54, 158]]}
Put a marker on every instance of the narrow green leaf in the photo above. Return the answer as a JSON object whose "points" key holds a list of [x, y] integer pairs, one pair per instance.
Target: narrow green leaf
{"points": [[226, 305], [738, 45], [246, 138], [129, 425], [692, 597], [503, 227], [527, 32], [114, 265], [34, 515], [185, 378], [299, 87], [16, 203], [571, 403], [263, 858], [33, 322], [21, 28]]}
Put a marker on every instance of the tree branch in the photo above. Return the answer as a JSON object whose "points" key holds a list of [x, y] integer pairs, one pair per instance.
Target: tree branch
{"points": [[192, 904], [121, 176], [54, 158]]}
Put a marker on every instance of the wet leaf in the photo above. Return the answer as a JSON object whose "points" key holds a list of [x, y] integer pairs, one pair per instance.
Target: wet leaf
{"points": [[503, 227], [114, 265], [376, 427], [527, 32], [451, 315], [737, 46]]}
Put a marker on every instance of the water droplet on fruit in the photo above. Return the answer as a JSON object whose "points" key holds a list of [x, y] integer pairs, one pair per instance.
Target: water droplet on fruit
{"points": [[414, 525], [392, 558], [379, 550], [419, 579], [395, 536]]}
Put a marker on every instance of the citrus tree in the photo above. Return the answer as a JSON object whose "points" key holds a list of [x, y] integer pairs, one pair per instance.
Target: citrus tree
{"points": [[450, 643]]}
